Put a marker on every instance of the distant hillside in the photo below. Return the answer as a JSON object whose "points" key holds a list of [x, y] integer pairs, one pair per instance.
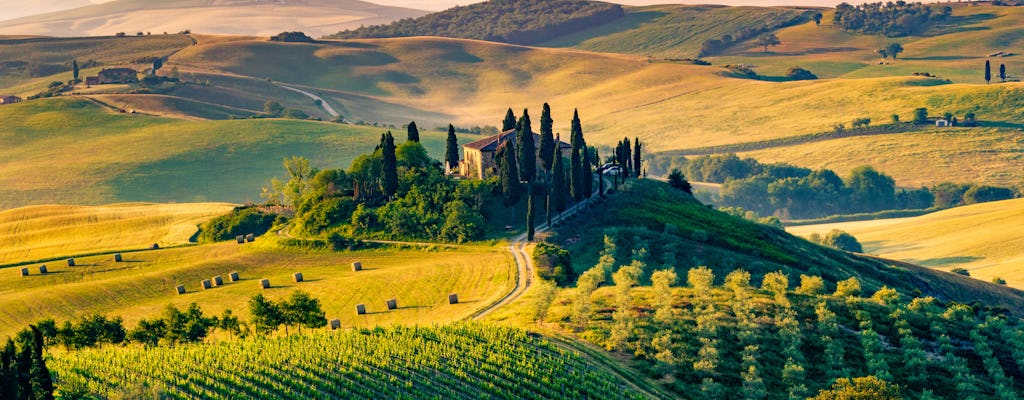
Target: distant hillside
{"points": [[677, 31], [985, 239], [18, 8], [508, 21], [239, 17]]}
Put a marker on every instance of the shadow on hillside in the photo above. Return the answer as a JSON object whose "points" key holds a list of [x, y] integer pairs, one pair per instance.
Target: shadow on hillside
{"points": [[957, 24], [627, 23], [945, 261]]}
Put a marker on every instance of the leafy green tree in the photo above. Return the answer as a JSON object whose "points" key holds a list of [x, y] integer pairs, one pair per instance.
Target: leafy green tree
{"points": [[389, 165], [451, 154], [266, 316], [526, 148], [768, 39], [547, 139], [700, 279], [848, 288], [462, 222], [678, 181], [866, 388], [921, 115], [811, 285], [273, 108], [148, 332], [413, 132], [509, 175], [510, 121], [870, 190], [988, 71], [302, 310], [894, 49]]}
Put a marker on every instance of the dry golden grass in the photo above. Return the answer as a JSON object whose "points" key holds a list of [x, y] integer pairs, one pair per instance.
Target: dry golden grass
{"points": [[986, 239], [41, 232]]}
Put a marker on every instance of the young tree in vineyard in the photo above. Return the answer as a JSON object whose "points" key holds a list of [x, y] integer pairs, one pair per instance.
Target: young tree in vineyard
{"points": [[662, 281]]}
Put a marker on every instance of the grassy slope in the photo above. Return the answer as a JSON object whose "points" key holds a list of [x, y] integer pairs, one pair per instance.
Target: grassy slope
{"points": [[107, 157], [983, 238], [144, 284], [40, 232], [737, 243], [671, 31]]}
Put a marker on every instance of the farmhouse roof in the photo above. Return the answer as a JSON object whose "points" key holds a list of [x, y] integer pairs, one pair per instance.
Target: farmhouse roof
{"points": [[119, 71], [491, 143]]}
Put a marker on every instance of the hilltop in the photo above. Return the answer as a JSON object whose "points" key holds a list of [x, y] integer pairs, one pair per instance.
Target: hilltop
{"points": [[241, 17]]}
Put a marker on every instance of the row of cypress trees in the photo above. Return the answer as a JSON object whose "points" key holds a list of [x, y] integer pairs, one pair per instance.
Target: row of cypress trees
{"points": [[23, 372]]}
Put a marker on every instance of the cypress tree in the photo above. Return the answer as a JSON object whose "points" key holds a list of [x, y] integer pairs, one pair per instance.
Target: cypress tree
{"points": [[390, 165], [576, 185], [526, 148], [547, 139], [558, 179], [588, 175], [414, 132], [627, 168], [510, 121], [529, 217], [23, 367], [988, 71], [8, 372], [40, 380], [509, 175], [74, 69], [1002, 72], [451, 154], [636, 157]]}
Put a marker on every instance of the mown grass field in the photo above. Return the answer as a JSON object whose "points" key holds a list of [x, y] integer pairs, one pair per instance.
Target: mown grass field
{"points": [[43, 232], [73, 151], [143, 285], [986, 239]]}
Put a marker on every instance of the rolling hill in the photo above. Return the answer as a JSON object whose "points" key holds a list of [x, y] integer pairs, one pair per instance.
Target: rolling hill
{"points": [[985, 239], [244, 17]]}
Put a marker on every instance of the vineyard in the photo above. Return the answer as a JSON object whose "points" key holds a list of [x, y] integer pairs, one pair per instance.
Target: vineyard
{"points": [[463, 360]]}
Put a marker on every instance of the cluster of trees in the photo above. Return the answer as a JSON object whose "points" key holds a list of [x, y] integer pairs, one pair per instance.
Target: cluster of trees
{"points": [[291, 37], [789, 191], [509, 21], [243, 220], [837, 239], [23, 371], [891, 19], [553, 263], [988, 72], [785, 18], [274, 109]]}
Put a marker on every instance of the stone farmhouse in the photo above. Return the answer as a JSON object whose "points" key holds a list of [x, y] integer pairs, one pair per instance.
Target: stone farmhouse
{"points": [[478, 157], [5, 99], [113, 75]]}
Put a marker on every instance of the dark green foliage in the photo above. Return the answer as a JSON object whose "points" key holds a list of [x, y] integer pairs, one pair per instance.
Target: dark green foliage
{"points": [[157, 64], [462, 222], [74, 69], [865, 388], [547, 139], [413, 132], [768, 40], [23, 371], [241, 221], [893, 50], [870, 190], [891, 19], [509, 21], [553, 263], [273, 108], [678, 181], [294, 113], [317, 214], [266, 315], [988, 71], [779, 19], [530, 217], [587, 170], [1002, 72], [291, 37], [88, 331], [526, 148], [800, 74], [921, 115], [509, 175], [637, 166], [389, 165], [839, 240], [559, 189], [509, 123], [961, 271], [576, 170], [189, 326], [302, 310], [982, 194], [451, 152], [148, 332]]}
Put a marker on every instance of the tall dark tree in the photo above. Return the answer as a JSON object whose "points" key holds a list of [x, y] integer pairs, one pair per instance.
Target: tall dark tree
{"points": [[157, 64], [588, 174], [558, 178], [636, 158], [678, 181], [529, 217], [817, 19], [769, 39], [547, 138], [526, 148], [40, 380], [74, 69], [8, 371], [576, 185], [894, 49], [1002, 72], [389, 163], [509, 174], [414, 132], [510, 121], [451, 153], [988, 71]]}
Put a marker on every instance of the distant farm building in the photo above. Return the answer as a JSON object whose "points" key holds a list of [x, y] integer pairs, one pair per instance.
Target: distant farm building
{"points": [[9, 99], [941, 123], [478, 157], [112, 76]]}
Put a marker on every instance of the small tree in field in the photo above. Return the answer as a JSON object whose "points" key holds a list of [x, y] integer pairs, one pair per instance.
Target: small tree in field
{"points": [[1002, 72], [921, 115], [988, 72], [894, 49], [769, 40]]}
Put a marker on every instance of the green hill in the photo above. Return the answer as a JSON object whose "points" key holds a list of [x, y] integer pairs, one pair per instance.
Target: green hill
{"points": [[460, 361], [110, 157]]}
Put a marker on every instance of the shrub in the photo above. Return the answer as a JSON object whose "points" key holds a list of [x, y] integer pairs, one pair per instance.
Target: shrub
{"points": [[839, 240], [800, 74], [320, 214], [811, 285], [961, 271], [553, 263], [848, 288], [982, 194], [998, 280], [241, 221], [291, 37]]}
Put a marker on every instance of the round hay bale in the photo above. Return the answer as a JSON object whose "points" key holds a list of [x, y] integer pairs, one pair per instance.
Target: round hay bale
{"points": [[218, 281], [117, 257], [233, 277], [206, 284], [240, 239], [155, 246], [180, 289], [297, 277], [360, 309], [42, 269], [264, 283], [392, 304], [453, 298], [357, 266], [71, 262], [24, 272], [335, 324], [250, 238]]}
